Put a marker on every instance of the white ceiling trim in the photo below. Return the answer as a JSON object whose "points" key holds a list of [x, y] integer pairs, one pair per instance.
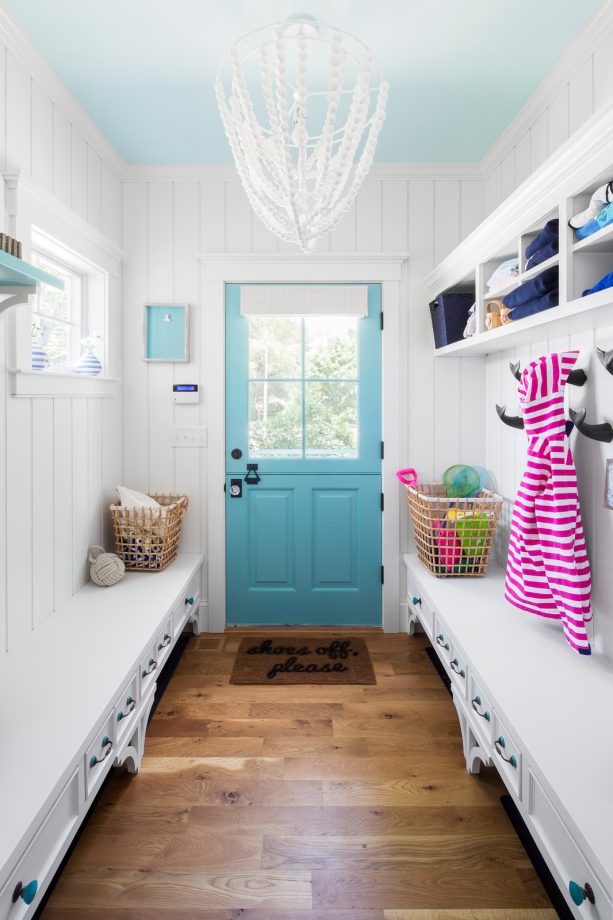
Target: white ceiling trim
{"points": [[227, 172]]}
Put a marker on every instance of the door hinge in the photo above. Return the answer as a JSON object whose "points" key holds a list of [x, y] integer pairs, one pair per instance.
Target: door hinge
{"points": [[382, 502], [381, 319], [383, 450], [382, 574]]}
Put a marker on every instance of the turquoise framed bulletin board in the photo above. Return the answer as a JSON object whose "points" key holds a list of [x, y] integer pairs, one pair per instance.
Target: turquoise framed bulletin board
{"points": [[166, 332]]}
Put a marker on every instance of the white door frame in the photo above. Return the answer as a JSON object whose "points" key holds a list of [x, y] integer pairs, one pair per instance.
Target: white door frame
{"points": [[289, 268]]}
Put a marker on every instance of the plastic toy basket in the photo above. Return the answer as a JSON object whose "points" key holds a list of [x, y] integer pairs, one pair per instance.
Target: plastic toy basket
{"points": [[147, 539], [454, 536]]}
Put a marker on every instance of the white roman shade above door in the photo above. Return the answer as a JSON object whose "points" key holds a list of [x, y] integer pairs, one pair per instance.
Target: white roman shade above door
{"points": [[304, 300]]}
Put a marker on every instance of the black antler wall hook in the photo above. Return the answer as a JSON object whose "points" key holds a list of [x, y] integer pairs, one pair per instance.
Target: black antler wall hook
{"points": [[606, 359], [513, 421], [576, 378], [602, 432]]}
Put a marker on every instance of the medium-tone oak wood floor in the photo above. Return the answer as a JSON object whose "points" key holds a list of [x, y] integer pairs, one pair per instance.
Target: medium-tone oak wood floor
{"points": [[301, 803]]}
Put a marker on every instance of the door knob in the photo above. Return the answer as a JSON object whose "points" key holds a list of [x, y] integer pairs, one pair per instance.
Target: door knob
{"points": [[237, 453]]}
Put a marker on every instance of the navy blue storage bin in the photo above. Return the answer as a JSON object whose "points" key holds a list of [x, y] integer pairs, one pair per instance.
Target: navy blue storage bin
{"points": [[449, 314]]}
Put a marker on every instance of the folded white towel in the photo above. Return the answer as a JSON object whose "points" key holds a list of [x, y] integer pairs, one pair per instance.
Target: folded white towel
{"points": [[130, 498]]}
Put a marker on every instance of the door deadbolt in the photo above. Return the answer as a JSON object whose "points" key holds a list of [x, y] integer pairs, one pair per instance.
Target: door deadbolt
{"points": [[236, 454]]}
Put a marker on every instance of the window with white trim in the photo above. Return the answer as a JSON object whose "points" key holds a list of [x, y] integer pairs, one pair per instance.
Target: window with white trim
{"points": [[68, 323], [57, 316]]}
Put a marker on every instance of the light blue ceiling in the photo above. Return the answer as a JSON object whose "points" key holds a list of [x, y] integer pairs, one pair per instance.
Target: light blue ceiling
{"points": [[459, 69]]}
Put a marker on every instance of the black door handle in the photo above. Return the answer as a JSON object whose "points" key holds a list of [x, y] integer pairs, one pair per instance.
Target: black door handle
{"points": [[252, 477]]}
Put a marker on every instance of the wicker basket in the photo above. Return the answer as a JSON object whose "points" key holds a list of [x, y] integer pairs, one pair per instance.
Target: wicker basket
{"points": [[147, 539], [454, 536]]}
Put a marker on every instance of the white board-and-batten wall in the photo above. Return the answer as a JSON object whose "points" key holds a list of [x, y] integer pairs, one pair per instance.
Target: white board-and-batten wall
{"points": [[60, 457], [575, 90]]}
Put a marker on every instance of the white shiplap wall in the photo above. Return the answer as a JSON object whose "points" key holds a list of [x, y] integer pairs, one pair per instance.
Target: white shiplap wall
{"points": [[579, 84], [169, 221], [59, 457], [568, 98]]}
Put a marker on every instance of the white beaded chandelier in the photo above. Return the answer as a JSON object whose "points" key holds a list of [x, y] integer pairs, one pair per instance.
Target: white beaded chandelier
{"points": [[304, 106]]}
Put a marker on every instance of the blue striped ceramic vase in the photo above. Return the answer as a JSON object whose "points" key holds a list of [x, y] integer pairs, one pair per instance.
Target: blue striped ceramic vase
{"points": [[40, 358], [89, 364]]}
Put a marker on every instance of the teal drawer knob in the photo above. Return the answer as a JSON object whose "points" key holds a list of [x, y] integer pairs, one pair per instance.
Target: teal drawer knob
{"points": [[190, 601], [416, 600], [441, 641], [476, 703], [27, 893], [106, 743], [580, 894], [130, 703], [165, 641], [500, 745], [151, 667], [455, 666]]}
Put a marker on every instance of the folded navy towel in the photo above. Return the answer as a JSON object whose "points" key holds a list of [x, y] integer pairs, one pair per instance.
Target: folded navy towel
{"points": [[541, 255], [544, 283], [545, 302], [548, 235], [602, 285]]}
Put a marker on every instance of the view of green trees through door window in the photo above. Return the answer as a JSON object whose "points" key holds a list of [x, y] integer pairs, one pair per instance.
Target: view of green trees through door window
{"points": [[303, 386]]}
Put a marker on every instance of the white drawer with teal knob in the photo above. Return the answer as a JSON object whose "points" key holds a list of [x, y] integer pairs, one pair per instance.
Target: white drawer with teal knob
{"points": [[422, 609], [442, 640], [148, 668], [573, 873], [480, 708], [125, 708], [163, 642], [23, 892], [507, 756], [99, 755], [459, 670]]}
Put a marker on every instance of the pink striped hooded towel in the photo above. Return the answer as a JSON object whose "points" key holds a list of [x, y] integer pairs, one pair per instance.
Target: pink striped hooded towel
{"points": [[548, 572]]}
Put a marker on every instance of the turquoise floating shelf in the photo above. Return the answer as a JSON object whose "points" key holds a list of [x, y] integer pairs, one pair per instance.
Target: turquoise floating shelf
{"points": [[17, 273]]}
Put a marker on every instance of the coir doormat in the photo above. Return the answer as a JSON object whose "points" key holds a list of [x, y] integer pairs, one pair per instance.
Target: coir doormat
{"points": [[298, 660]]}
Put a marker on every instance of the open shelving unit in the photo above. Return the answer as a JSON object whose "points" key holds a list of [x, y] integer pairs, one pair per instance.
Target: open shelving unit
{"points": [[560, 188]]}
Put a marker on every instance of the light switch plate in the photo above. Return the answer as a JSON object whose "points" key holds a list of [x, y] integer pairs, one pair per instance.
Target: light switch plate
{"points": [[188, 437]]}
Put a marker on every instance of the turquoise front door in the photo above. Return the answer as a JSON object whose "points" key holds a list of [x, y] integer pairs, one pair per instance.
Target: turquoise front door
{"points": [[303, 467]]}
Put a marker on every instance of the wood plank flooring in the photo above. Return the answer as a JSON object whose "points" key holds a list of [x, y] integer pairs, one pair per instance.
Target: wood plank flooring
{"points": [[301, 803]]}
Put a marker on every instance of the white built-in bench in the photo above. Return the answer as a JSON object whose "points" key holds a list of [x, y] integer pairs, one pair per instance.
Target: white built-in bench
{"points": [[75, 696], [541, 714]]}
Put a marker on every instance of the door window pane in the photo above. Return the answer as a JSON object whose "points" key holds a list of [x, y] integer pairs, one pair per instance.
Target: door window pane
{"points": [[330, 345], [331, 419], [275, 419], [275, 347]]}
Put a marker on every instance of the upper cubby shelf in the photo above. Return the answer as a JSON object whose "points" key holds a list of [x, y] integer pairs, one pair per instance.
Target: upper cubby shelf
{"points": [[560, 188], [19, 279]]}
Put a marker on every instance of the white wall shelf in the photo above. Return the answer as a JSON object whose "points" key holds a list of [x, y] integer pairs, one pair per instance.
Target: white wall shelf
{"points": [[576, 316], [561, 187]]}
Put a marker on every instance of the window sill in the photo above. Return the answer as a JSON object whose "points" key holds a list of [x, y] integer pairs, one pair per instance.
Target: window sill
{"points": [[29, 383]]}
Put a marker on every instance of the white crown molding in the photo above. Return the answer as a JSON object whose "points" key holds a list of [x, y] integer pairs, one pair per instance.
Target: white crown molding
{"points": [[227, 172], [19, 181], [575, 166], [50, 81], [580, 49], [296, 267]]}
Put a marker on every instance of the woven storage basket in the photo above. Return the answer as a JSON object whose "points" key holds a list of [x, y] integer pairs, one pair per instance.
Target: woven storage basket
{"points": [[147, 539], [454, 536]]}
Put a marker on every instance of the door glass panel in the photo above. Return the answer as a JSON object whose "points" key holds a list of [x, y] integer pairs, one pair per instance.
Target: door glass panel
{"points": [[331, 419], [275, 347], [275, 419], [330, 347]]}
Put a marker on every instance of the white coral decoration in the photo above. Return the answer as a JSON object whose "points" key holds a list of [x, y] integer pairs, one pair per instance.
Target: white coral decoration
{"points": [[301, 153]]}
